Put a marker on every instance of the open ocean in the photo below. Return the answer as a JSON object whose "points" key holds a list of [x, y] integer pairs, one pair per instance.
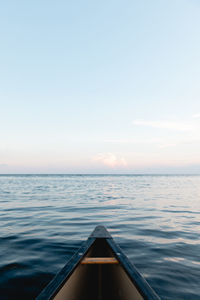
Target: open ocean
{"points": [[45, 218]]}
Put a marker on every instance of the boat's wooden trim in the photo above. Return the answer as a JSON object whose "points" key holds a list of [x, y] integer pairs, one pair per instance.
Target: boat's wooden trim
{"points": [[99, 260]]}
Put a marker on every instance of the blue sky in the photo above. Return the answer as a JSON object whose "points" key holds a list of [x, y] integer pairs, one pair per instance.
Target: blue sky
{"points": [[100, 86]]}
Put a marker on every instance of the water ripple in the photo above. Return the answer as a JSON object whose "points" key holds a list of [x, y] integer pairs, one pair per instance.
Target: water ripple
{"points": [[45, 218]]}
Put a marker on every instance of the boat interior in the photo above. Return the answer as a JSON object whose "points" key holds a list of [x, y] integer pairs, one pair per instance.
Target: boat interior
{"points": [[99, 276]]}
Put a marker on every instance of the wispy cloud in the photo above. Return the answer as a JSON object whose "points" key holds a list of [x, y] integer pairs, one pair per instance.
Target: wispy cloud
{"points": [[133, 141], [168, 142], [167, 145], [196, 116], [172, 125], [110, 160]]}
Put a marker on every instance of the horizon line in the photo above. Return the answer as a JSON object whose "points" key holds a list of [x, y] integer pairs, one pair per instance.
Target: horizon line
{"points": [[107, 174]]}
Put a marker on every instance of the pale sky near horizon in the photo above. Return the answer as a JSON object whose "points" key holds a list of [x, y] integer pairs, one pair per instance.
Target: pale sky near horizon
{"points": [[100, 86]]}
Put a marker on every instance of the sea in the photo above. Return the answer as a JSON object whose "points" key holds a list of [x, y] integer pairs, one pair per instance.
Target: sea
{"points": [[155, 219]]}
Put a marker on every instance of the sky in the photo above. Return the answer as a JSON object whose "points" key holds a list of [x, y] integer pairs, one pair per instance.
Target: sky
{"points": [[100, 86]]}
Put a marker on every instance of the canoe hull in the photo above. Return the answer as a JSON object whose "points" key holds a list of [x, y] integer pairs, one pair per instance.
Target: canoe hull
{"points": [[116, 278]]}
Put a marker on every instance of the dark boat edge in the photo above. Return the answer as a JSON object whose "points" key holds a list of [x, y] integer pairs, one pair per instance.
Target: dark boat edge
{"points": [[100, 232]]}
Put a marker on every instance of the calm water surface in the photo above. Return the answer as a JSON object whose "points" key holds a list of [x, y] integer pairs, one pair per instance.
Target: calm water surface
{"points": [[45, 218]]}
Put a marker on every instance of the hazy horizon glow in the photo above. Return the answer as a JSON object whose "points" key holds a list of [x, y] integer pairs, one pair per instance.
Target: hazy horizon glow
{"points": [[105, 87]]}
